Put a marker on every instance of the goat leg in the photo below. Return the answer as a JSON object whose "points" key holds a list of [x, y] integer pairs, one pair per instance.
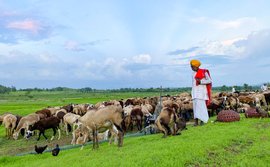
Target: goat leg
{"points": [[59, 133], [120, 138], [66, 126], [94, 138], [39, 134], [97, 138], [54, 132], [43, 133]]}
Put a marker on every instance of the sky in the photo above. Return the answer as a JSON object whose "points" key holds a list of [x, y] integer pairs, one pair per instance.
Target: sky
{"points": [[110, 44]]}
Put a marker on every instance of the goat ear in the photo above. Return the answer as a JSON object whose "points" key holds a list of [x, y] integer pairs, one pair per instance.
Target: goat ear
{"points": [[121, 103]]}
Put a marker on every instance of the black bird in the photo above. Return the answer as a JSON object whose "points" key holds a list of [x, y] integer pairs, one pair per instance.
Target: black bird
{"points": [[56, 150], [40, 150]]}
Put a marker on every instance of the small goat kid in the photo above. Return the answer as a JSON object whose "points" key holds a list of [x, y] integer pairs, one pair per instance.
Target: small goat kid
{"points": [[69, 120]]}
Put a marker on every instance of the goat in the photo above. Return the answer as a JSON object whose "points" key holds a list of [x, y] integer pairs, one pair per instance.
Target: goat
{"points": [[60, 115], [43, 113], [169, 123], [81, 109], [82, 134], [9, 121], [53, 109], [2, 117], [137, 117], [104, 118], [24, 123], [69, 120], [133, 114], [147, 109], [44, 124], [68, 108]]}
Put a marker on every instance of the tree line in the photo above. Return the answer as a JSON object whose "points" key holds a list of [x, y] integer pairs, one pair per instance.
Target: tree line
{"points": [[244, 87]]}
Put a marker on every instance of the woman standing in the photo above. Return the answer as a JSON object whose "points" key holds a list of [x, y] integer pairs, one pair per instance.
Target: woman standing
{"points": [[201, 92]]}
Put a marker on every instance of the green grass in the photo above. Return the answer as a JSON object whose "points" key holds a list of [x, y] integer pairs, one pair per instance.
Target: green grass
{"points": [[23, 103], [243, 143]]}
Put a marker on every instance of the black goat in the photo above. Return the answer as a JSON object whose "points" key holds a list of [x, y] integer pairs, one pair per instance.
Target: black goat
{"points": [[44, 124]]}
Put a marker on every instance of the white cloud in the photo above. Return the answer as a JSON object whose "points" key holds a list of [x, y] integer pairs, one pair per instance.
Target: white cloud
{"points": [[229, 42], [72, 45], [198, 20], [27, 25], [110, 68], [214, 48], [47, 58], [221, 48], [228, 24], [183, 61], [139, 71], [14, 56], [115, 68], [142, 59], [237, 23], [235, 61], [90, 64]]}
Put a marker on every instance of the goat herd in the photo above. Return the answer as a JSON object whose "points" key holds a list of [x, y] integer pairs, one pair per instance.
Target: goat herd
{"points": [[115, 118]]}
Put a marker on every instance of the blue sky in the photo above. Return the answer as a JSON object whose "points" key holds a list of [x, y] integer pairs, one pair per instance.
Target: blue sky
{"points": [[116, 43]]}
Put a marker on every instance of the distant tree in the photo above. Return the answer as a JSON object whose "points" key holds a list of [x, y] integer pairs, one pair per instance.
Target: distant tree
{"points": [[38, 89], [58, 89], [246, 87], [4, 89], [224, 88], [61, 89], [13, 89], [86, 90], [28, 94], [237, 88]]}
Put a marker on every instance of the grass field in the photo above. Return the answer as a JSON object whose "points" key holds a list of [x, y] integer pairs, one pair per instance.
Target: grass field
{"points": [[243, 143], [23, 103]]}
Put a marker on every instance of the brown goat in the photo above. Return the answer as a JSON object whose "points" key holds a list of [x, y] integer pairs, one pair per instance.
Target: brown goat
{"points": [[246, 99], [24, 123], [136, 116], [68, 108], [9, 121], [169, 123], [80, 135], [104, 118], [2, 117], [44, 113]]}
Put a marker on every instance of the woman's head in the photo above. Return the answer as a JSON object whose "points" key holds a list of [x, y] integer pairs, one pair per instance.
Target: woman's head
{"points": [[195, 64]]}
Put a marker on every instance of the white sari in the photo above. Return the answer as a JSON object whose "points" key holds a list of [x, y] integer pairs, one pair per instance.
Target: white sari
{"points": [[199, 96]]}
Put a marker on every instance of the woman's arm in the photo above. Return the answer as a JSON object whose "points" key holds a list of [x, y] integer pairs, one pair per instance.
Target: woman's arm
{"points": [[206, 80]]}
